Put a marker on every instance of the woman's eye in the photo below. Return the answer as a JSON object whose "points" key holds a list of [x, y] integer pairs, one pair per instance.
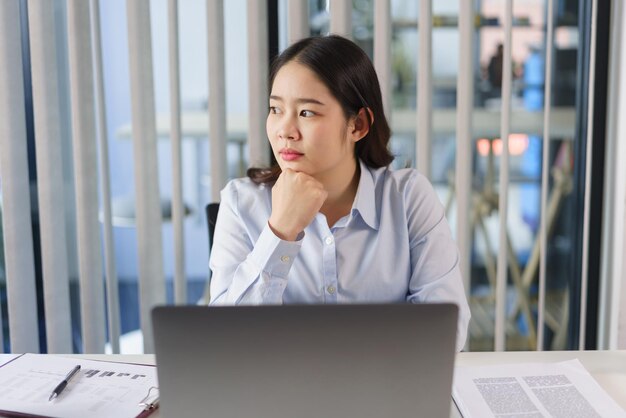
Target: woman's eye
{"points": [[274, 109], [306, 113]]}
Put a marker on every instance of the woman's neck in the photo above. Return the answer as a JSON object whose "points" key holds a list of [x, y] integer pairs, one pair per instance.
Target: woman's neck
{"points": [[341, 193]]}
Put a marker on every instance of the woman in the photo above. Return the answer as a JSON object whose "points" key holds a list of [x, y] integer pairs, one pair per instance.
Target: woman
{"points": [[331, 222]]}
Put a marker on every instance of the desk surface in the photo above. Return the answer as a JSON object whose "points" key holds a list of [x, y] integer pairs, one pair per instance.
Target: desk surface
{"points": [[607, 367]]}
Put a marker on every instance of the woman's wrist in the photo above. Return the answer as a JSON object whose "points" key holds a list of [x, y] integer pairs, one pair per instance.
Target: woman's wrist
{"points": [[283, 234]]}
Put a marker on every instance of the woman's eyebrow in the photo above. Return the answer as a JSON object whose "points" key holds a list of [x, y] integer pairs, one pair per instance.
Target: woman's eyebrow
{"points": [[301, 100]]}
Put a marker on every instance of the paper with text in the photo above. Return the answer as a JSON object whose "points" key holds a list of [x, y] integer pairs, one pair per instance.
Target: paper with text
{"points": [[99, 389], [531, 390]]}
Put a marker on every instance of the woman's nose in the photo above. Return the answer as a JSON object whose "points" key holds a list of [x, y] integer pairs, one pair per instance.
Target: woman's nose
{"points": [[288, 129]]}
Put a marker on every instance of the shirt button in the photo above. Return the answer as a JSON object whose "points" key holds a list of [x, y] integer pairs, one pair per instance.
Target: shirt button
{"points": [[285, 259], [331, 289], [328, 240]]}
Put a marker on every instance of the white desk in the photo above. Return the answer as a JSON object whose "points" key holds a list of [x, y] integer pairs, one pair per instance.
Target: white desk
{"points": [[607, 367]]}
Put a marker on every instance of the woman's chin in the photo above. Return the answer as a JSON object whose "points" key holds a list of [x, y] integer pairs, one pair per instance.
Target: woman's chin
{"points": [[293, 165]]}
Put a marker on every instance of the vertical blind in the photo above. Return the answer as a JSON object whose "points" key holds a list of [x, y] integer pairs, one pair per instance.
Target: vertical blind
{"points": [[16, 207], [424, 89], [217, 96], [382, 52], [257, 81], [180, 282], [464, 127], [149, 239], [298, 24], [503, 196], [543, 229], [85, 177], [89, 136], [50, 181], [112, 291]]}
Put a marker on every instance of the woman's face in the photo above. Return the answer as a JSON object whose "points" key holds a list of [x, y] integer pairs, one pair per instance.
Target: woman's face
{"points": [[307, 128]]}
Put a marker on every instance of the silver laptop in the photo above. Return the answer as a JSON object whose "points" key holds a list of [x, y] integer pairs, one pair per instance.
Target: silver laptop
{"points": [[303, 361]]}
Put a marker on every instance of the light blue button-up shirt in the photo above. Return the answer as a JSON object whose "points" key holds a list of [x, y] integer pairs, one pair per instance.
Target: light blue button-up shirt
{"points": [[394, 246]]}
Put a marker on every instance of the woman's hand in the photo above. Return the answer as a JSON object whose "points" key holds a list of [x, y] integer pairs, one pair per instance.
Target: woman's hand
{"points": [[296, 198]]}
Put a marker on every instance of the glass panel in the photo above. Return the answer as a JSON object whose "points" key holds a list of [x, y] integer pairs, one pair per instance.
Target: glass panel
{"points": [[195, 148], [525, 147]]}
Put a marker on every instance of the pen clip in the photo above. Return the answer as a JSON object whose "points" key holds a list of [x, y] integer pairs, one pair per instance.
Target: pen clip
{"points": [[151, 400]]}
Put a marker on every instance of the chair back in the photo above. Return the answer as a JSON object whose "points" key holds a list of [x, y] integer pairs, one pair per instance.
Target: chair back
{"points": [[211, 216]]}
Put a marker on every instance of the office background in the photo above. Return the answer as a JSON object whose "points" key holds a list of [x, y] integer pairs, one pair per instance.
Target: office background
{"points": [[103, 187]]}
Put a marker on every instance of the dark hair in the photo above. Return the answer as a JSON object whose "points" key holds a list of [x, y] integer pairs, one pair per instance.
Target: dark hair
{"points": [[349, 75]]}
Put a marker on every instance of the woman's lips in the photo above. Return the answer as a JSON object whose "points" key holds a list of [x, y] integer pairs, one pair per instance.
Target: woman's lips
{"points": [[290, 155]]}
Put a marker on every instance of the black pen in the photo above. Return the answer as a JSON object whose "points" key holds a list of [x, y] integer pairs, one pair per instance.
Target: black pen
{"points": [[57, 390]]}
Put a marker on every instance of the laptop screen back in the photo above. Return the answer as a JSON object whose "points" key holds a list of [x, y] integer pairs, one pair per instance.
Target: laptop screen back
{"points": [[306, 360]]}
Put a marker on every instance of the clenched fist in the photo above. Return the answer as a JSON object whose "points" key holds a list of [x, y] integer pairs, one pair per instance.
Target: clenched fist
{"points": [[296, 199]]}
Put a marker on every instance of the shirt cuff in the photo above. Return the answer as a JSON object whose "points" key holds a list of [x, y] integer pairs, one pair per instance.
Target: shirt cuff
{"points": [[274, 255]]}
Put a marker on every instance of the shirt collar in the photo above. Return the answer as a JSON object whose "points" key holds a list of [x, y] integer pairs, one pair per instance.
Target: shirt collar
{"points": [[365, 200]]}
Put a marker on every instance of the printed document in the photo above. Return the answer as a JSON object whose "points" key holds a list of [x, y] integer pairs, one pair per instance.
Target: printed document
{"points": [[531, 390], [99, 389]]}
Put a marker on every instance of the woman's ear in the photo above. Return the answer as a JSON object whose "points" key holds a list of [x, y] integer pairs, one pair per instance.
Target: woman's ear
{"points": [[361, 124]]}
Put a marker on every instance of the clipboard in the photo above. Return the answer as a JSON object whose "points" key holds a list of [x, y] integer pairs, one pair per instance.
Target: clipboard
{"points": [[100, 389]]}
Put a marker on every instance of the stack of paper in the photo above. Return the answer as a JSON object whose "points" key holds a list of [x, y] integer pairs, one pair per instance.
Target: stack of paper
{"points": [[99, 389], [531, 390]]}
